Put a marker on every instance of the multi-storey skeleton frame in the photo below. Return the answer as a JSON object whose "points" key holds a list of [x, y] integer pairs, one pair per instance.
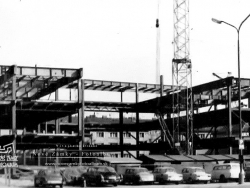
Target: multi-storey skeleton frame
{"points": [[21, 107]]}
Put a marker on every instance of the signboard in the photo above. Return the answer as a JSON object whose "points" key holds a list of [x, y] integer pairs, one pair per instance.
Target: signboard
{"points": [[7, 159], [241, 144]]}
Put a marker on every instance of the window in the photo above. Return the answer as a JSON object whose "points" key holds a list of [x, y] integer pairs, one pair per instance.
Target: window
{"points": [[126, 135], [114, 155], [229, 167], [216, 168], [128, 171], [141, 135], [202, 135], [199, 170], [126, 155], [100, 134], [113, 134], [139, 170]]}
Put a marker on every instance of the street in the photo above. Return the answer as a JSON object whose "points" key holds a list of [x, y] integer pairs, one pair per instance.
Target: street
{"points": [[29, 184]]}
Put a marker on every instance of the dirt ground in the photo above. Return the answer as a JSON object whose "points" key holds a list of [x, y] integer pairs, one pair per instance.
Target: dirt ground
{"points": [[16, 183]]}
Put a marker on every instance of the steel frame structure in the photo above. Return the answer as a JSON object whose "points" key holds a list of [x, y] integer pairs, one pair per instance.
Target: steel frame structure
{"points": [[27, 104]]}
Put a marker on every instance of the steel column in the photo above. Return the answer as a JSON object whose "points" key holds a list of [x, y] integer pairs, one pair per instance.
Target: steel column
{"points": [[229, 101], [39, 151], [57, 120], [137, 121], [215, 132], [24, 157], [46, 127], [161, 94], [57, 131], [14, 131], [81, 115], [121, 132]]}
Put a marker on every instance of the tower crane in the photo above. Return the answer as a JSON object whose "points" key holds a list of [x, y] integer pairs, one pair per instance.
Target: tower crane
{"points": [[182, 74]]}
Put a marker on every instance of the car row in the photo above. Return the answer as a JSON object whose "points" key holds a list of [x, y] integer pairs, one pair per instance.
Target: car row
{"points": [[103, 175]]}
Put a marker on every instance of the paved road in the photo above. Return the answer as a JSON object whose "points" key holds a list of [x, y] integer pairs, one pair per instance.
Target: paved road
{"points": [[212, 185]]}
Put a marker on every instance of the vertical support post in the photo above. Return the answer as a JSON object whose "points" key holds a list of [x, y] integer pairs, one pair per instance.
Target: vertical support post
{"points": [[191, 116], [187, 126], [83, 123], [5, 175], [24, 157], [248, 102], [57, 120], [39, 128], [161, 86], [81, 116], [121, 96], [39, 150], [14, 108], [137, 122], [57, 131], [161, 94], [9, 175], [14, 131], [46, 127], [215, 133], [229, 101], [121, 131]]}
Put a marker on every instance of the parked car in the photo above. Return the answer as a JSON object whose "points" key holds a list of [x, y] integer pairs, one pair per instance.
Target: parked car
{"points": [[195, 174], [101, 175], [48, 177], [73, 175], [226, 172], [137, 175], [167, 175]]}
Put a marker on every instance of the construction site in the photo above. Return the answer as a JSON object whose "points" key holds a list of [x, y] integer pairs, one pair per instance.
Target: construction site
{"points": [[210, 119]]}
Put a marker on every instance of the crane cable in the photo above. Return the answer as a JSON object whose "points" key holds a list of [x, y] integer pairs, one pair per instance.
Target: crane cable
{"points": [[158, 44]]}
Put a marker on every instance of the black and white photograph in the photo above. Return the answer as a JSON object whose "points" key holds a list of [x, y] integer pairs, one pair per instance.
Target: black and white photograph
{"points": [[125, 93]]}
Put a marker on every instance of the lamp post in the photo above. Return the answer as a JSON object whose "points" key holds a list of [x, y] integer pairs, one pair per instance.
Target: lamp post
{"points": [[241, 176]]}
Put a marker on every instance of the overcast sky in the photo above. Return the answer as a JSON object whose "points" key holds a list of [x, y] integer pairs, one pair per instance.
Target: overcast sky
{"points": [[116, 39]]}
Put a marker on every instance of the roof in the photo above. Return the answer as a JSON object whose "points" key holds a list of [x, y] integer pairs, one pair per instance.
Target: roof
{"points": [[121, 160], [180, 158], [34, 82], [160, 158], [126, 86], [194, 158]]}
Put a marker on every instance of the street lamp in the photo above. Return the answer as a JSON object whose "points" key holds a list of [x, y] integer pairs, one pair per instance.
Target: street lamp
{"points": [[241, 177]]}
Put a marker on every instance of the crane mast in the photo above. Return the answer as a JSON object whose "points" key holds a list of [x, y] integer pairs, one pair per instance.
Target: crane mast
{"points": [[182, 76]]}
